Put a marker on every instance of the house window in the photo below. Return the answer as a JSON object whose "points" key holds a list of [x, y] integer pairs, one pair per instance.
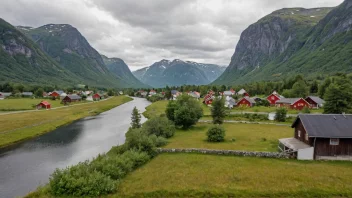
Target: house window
{"points": [[334, 141], [299, 133], [306, 137]]}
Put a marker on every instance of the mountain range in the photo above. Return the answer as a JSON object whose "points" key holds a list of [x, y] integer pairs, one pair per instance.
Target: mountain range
{"points": [[58, 54], [293, 41], [178, 72]]}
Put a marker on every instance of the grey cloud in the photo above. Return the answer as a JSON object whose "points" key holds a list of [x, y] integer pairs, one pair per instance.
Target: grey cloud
{"points": [[142, 32]]}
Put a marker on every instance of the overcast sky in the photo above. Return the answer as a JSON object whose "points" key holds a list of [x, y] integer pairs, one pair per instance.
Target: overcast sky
{"points": [[145, 31]]}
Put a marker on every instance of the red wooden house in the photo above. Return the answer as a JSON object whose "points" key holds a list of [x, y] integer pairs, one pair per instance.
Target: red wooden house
{"points": [[315, 102], [97, 96], [272, 98], [56, 94], [208, 99], [246, 102], [44, 104], [71, 98], [293, 103]]}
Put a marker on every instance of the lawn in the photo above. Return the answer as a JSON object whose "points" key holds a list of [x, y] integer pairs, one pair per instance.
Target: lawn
{"points": [[27, 104], [156, 109], [198, 175], [20, 126], [250, 137]]}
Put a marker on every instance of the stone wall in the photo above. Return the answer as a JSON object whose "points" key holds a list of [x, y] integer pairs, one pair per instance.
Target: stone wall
{"points": [[226, 152]]}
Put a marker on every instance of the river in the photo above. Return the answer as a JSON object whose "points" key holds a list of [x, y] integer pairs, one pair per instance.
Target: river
{"points": [[27, 165]]}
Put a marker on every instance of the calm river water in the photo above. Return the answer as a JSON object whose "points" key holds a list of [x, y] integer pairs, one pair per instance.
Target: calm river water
{"points": [[25, 166]]}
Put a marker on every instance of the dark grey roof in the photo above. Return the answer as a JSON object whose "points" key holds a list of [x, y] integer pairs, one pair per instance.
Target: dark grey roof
{"points": [[316, 99], [74, 97], [232, 101], [326, 125], [287, 100]]}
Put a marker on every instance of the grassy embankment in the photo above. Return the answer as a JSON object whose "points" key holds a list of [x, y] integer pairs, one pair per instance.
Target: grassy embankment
{"points": [[22, 104], [21, 126], [271, 109]]}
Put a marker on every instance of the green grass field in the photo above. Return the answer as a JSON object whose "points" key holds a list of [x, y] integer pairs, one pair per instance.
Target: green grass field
{"points": [[156, 109], [197, 175], [20, 126], [250, 137], [21, 104]]}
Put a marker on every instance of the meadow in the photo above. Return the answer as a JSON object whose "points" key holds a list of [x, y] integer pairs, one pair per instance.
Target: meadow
{"points": [[198, 175], [22, 104], [250, 137], [21, 126]]}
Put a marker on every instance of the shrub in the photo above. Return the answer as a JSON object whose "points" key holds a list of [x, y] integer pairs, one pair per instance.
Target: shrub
{"points": [[185, 111], [139, 140], [159, 126], [137, 158], [158, 141], [216, 133], [115, 167], [280, 115], [80, 180], [306, 110]]}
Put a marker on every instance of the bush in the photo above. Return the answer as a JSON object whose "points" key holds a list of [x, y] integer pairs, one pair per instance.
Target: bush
{"points": [[306, 110], [216, 133], [139, 140], [280, 115], [158, 141], [185, 111], [218, 111], [159, 126], [80, 180], [115, 167]]}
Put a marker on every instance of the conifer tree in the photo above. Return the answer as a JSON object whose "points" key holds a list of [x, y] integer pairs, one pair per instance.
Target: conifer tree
{"points": [[136, 119]]}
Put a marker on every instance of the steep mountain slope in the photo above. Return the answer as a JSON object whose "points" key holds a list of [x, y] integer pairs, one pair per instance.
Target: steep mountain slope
{"points": [[274, 39], [21, 60], [69, 48], [121, 71], [178, 72]]}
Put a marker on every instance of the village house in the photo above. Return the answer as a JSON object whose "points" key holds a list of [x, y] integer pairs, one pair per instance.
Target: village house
{"points": [[315, 102], [272, 98], [229, 93], [4, 95], [194, 94], [152, 92], [243, 93], [97, 96], [292, 103], [44, 105], [27, 94], [320, 137], [56, 94], [175, 94], [71, 98], [230, 102], [208, 99], [246, 102]]}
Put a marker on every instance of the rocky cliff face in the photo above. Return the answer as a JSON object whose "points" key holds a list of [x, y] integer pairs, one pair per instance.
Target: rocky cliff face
{"points": [[21, 60], [276, 37], [178, 72]]}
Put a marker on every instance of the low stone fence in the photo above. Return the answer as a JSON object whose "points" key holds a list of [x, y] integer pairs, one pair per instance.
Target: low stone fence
{"points": [[226, 152]]}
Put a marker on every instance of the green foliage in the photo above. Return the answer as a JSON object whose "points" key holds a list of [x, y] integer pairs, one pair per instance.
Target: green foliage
{"points": [[158, 141], [80, 180], [338, 96], [155, 98], [306, 110], [216, 133], [280, 115], [218, 111], [139, 140], [136, 119], [159, 126], [185, 111], [300, 89]]}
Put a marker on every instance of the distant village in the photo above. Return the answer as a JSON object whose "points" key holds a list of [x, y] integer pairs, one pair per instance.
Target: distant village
{"points": [[242, 98]]}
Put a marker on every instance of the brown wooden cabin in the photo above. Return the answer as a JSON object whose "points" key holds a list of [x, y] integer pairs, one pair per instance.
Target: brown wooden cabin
{"points": [[71, 98], [328, 136]]}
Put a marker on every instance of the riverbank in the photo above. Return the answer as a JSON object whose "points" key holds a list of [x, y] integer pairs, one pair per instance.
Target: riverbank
{"points": [[22, 126]]}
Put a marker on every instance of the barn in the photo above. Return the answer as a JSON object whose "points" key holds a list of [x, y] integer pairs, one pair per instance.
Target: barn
{"points": [[56, 94], [44, 105], [272, 98], [315, 102], [293, 103], [321, 137], [71, 98], [246, 101]]}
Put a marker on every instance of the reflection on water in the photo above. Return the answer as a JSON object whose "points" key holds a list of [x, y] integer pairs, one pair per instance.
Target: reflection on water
{"points": [[25, 166]]}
